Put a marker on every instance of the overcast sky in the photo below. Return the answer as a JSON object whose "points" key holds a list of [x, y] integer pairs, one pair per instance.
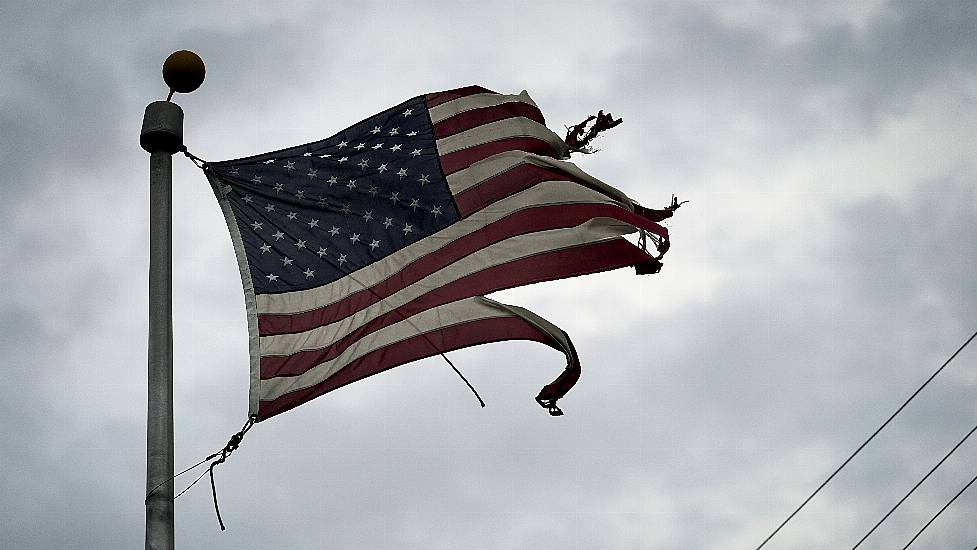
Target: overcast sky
{"points": [[822, 270]]}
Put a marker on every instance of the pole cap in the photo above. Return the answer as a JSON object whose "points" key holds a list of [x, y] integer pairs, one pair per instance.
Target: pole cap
{"points": [[162, 128]]}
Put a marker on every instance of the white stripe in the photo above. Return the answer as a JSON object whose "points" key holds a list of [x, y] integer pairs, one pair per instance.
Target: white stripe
{"points": [[476, 101], [447, 315], [501, 129], [556, 334], [502, 252], [496, 164], [542, 194]]}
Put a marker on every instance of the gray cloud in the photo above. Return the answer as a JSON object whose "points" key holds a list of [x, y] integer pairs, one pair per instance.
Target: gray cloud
{"points": [[714, 396]]}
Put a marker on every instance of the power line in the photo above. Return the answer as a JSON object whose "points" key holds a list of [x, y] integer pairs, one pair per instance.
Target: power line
{"points": [[866, 442], [920, 482], [945, 506]]}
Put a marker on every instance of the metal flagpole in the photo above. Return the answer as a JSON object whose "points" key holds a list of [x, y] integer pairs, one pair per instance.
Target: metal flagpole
{"points": [[161, 137]]}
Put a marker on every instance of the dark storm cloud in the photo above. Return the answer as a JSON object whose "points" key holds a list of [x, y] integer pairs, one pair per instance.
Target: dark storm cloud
{"points": [[697, 78], [696, 425]]}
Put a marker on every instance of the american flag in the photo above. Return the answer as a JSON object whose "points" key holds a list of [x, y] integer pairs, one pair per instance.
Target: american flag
{"points": [[373, 248]]}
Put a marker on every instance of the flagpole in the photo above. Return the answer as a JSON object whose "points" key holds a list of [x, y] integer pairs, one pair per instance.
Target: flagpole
{"points": [[161, 137]]}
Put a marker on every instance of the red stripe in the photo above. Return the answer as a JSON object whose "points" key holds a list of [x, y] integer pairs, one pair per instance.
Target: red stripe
{"points": [[482, 331], [522, 177], [437, 98], [525, 221], [558, 264], [476, 117], [459, 160]]}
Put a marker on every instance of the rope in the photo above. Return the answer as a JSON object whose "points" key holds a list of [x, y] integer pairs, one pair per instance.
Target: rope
{"points": [[866, 442], [156, 488], [193, 158], [231, 446], [920, 482], [417, 330], [945, 506]]}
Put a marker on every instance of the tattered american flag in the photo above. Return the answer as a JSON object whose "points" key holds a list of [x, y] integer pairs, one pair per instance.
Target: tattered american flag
{"points": [[373, 248]]}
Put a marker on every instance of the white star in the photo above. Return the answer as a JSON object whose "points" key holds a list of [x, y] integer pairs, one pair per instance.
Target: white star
{"points": [[234, 171], [342, 259], [360, 147], [412, 134], [407, 228], [373, 190], [351, 185], [327, 155], [270, 161], [343, 159], [342, 144], [321, 201], [312, 173], [345, 209], [292, 215], [287, 261], [424, 179], [387, 222], [436, 211], [394, 131], [265, 248], [334, 231], [374, 244], [300, 194], [407, 112], [368, 216], [272, 277], [313, 223], [377, 146], [415, 153], [290, 165], [256, 179], [279, 236], [308, 154], [256, 226], [248, 199], [402, 172], [375, 130], [363, 164], [383, 168], [394, 197], [332, 180], [308, 273], [396, 147], [355, 237], [321, 252], [270, 207], [300, 244], [278, 187], [414, 203]]}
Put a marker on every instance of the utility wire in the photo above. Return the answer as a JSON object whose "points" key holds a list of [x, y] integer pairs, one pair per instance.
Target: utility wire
{"points": [[945, 506], [866, 442], [920, 482]]}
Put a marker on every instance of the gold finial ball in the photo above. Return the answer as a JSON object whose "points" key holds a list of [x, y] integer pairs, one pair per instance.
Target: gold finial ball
{"points": [[183, 71]]}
